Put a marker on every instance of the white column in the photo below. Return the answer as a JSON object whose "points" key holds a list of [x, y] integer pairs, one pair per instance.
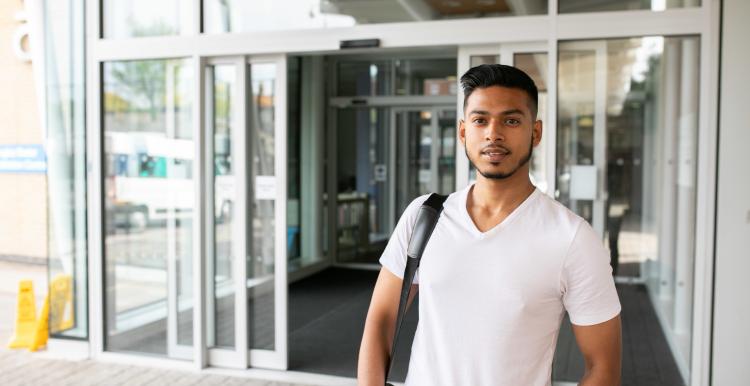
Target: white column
{"points": [[240, 138], [671, 60], [200, 169], [208, 149], [686, 175]]}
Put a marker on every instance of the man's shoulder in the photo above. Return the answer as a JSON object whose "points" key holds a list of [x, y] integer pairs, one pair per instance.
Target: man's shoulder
{"points": [[555, 215], [416, 203]]}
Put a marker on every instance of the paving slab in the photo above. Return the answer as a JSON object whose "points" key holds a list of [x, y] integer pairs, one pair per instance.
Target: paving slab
{"points": [[21, 368]]}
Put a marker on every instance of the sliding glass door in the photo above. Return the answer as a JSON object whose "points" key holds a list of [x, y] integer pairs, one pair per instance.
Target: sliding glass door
{"points": [[245, 110]]}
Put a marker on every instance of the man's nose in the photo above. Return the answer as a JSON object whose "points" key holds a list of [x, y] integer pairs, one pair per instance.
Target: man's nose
{"points": [[494, 131]]}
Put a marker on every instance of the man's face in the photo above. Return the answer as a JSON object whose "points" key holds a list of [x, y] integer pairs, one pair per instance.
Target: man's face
{"points": [[499, 131]]}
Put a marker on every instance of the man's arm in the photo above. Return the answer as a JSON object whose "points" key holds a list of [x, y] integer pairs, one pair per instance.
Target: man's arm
{"points": [[377, 339], [601, 346]]}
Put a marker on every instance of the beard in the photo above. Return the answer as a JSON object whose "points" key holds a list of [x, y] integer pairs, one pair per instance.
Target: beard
{"points": [[498, 175]]}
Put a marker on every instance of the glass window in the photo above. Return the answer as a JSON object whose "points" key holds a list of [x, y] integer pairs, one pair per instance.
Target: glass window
{"points": [[138, 18], [364, 78], [222, 103], [423, 76], [261, 267], [476, 60], [426, 76], [66, 168], [574, 6], [627, 161], [305, 163], [263, 15], [148, 206]]}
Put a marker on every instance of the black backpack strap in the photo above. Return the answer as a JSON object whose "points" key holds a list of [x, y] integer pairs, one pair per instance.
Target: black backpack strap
{"points": [[427, 218]]}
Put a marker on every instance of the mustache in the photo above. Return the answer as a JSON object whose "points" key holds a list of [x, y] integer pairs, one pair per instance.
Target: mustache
{"points": [[495, 148]]}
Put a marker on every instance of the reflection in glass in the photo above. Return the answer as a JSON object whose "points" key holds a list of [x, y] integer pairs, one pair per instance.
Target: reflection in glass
{"points": [[224, 196], [575, 125], [66, 167], [137, 18], [576, 6], [628, 108], [148, 206], [263, 15], [260, 267]]}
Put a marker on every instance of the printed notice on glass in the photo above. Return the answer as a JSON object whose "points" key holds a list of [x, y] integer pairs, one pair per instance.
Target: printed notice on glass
{"points": [[265, 187]]}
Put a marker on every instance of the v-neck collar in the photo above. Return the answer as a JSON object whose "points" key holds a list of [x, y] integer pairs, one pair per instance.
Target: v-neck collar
{"points": [[508, 219]]}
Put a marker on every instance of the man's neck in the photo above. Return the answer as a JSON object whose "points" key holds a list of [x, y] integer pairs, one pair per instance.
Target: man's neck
{"points": [[501, 195]]}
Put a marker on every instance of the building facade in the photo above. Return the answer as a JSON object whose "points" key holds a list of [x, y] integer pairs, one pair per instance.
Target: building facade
{"points": [[198, 147], [23, 233]]}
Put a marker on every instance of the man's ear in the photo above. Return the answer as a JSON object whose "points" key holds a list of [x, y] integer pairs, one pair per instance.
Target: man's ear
{"points": [[536, 132], [462, 132]]}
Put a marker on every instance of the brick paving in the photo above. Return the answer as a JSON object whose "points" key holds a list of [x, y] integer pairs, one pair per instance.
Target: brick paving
{"points": [[20, 368]]}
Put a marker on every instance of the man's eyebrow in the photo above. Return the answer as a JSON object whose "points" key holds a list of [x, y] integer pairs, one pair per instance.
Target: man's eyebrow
{"points": [[512, 111], [506, 112]]}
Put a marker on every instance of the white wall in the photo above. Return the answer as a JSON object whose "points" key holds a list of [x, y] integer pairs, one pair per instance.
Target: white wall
{"points": [[731, 345]]}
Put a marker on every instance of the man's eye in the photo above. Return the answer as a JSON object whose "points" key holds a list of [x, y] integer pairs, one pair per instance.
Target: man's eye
{"points": [[479, 121], [512, 122]]}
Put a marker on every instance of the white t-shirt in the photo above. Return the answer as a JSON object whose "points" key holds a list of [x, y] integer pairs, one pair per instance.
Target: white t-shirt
{"points": [[491, 304]]}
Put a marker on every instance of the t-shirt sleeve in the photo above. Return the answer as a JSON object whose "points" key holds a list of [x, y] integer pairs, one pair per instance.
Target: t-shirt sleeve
{"points": [[394, 255], [589, 293]]}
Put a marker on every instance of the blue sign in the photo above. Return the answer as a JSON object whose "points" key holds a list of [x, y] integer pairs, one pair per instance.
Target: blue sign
{"points": [[22, 159]]}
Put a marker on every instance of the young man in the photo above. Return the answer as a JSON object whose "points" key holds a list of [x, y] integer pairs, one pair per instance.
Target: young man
{"points": [[503, 264]]}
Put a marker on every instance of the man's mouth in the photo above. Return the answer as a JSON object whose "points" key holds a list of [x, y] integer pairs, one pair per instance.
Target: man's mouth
{"points": [[495, 154]]}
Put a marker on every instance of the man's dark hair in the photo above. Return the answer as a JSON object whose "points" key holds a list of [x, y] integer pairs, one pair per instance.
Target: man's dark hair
{"points": [[488, 75]]}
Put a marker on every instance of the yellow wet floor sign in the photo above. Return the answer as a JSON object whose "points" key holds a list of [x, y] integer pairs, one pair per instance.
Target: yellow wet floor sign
{"points": [[41, 329], [23, 336], [32, 332], [60, 304]]}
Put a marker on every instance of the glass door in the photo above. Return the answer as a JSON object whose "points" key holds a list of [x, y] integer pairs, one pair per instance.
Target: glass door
{"points": [[149, 207], [424, 161], [246, 273], [581, 140], [265, 271]]}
